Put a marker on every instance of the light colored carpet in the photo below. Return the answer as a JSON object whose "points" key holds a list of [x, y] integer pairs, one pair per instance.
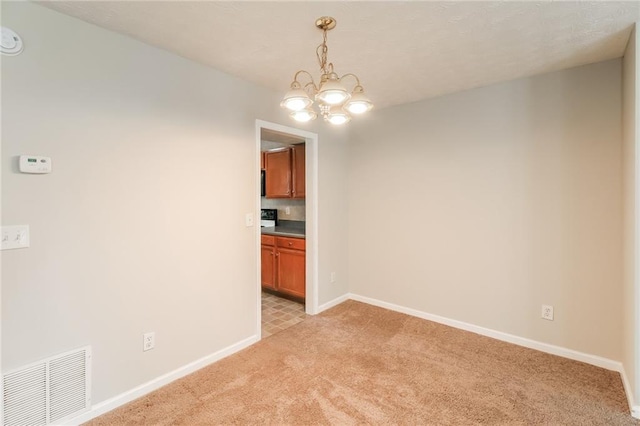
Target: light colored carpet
{"points": [[359, 364]]}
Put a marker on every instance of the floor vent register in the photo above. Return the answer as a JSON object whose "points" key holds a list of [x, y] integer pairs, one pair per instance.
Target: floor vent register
{"points": [[48, 391]]}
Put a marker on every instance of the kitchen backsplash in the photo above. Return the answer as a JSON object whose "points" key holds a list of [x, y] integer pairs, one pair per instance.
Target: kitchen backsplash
{"points": [[296, 208]]}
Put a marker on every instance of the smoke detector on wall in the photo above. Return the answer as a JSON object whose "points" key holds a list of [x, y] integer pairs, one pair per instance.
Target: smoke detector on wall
{"points": [[11, 43]]}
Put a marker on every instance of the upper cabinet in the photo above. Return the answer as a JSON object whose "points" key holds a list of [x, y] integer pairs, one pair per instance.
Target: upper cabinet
{"points": [[285, 172], [278, 173], [298, 170]]}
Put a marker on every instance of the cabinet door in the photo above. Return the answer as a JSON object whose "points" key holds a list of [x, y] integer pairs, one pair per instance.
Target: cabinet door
{"points": [[298, 171], [262, 161], [291, 271], [278, 174], [268, 266]]}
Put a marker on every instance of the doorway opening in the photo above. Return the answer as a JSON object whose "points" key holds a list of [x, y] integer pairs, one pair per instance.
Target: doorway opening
{"points": [[286, 242]]}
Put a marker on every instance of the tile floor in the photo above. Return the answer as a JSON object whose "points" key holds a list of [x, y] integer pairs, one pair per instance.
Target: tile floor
{"points": [[279, 314]]}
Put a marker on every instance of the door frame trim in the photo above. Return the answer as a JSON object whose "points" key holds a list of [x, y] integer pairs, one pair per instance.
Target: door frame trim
{"points": [[311, 215]]}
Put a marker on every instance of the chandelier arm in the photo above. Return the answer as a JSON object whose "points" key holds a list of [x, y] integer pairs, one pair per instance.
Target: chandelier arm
{"points": [[354, 76], [310, 88], [308, 74]]}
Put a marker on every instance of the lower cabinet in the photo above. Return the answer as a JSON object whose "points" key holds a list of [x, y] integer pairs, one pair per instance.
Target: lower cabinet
{"points": [[268, 256], [283, 265]]}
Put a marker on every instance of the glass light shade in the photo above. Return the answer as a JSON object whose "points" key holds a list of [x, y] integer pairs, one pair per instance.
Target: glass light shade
{"points": [[358, 103], [337, 116], [296, 100], [303, 115], [332, 92]]}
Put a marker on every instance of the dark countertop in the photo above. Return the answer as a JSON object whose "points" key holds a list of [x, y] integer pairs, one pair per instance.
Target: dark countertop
{"points": [[286, 228]]}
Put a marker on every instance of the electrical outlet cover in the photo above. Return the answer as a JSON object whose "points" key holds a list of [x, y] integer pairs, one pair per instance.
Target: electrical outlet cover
{"points": [[547, 312], [148, 341]]}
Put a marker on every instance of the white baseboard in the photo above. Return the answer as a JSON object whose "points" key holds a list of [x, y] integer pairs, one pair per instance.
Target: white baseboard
{"points": [[334, 302], [158, 382], [635, 409], [510, 338], [165, 379]]}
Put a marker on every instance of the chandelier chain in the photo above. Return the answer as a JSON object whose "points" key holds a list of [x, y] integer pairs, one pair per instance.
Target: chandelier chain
{"points": [[321, 53]]}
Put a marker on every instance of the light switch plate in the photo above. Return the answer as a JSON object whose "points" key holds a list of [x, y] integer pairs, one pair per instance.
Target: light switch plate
{"points": [[15, 237]]}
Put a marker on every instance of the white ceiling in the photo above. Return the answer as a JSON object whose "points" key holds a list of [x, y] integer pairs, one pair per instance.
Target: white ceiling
{"points": [[402, 51]]}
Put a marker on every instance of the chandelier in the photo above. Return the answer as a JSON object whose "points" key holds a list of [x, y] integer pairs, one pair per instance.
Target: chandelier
{"points": [[334, 100]]}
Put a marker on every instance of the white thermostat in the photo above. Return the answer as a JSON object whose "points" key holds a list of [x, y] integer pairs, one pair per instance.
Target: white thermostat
{"points": [[35, 164]]}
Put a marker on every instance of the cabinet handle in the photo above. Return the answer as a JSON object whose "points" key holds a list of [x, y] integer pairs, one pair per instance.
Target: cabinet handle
{"points": [[277, 254], [290, 243]]}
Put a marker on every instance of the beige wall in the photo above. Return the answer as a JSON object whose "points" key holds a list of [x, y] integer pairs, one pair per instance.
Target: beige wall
{"points": [[140, 227], [483, 205], [332, 212], [630, 120], [126, 232]]}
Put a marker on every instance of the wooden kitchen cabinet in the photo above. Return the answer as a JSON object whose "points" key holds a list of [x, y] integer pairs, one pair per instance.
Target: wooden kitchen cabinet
{"points": [[298, 171], [278, 173], [285, 172], [290, 264], [284, 265], [268, 262]]}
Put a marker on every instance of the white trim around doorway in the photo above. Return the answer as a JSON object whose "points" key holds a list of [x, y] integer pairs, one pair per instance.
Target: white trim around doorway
{"points": [[311, 218]]}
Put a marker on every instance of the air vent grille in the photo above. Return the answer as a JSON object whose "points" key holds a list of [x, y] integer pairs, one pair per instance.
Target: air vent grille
{"points": [[67, 390], [25, 396], [48, 391]]}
